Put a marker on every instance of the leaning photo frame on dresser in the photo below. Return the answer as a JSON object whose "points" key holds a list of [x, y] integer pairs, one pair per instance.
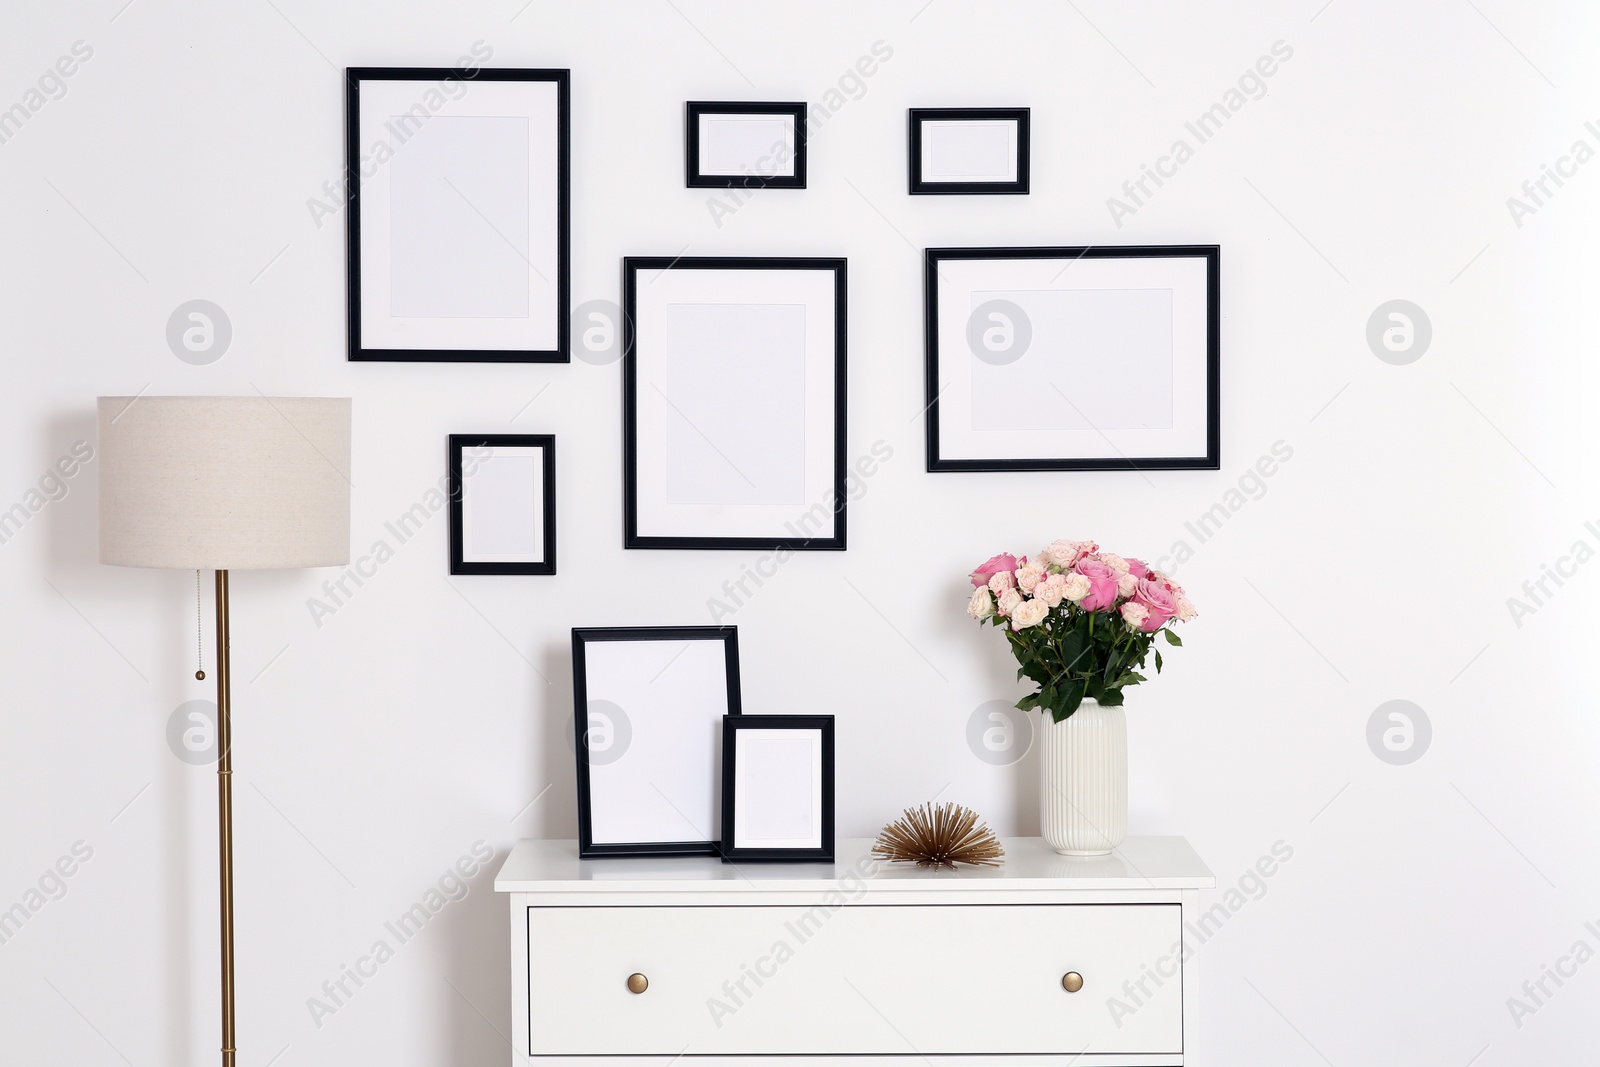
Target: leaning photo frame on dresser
{"points": [[648, 705]]}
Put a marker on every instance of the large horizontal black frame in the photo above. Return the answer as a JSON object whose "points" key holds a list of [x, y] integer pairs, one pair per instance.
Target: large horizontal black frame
{"points": [[353, 77], [459, 443], [631, 267], [919, 115], [581, 636], [691, 142], [1212, 460], [730, 725]]}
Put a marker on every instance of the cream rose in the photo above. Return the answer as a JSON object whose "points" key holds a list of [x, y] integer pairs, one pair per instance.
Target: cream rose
{"points": [[981, 606], [1074, 586], [1029, 613], [1009, 601], [1051, 590], [1000, 581], [1185, 609], [1064, 553], [1029, 575], [1127, 585], [1134, 614]]}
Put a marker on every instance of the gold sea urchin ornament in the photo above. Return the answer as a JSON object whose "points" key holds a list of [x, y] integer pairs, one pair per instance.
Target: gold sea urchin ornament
{"points": [[938, 836]]}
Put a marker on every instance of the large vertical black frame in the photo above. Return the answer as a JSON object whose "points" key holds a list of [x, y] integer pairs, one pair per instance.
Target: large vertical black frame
{"points": [[356, 352]]}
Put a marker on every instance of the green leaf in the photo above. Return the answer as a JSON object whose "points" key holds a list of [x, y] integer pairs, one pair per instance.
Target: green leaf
{"points": [[1111, 698], [1158, 661], [1172, 638], [1073, 652], [1029, 702]]}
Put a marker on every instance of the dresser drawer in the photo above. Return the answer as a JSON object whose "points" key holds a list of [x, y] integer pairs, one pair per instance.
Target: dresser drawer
{"points": [[862, 979]]}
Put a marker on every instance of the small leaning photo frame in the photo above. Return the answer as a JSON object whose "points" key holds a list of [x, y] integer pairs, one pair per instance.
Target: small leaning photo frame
{"points": [[648, 708], [733, 419], [777, 788], [457, 225], [973, 150], [1098, 358], [745, 145], [502, 503]]}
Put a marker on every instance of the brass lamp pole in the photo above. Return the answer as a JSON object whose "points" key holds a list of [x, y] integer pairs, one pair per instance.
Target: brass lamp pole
{"points": [[225, 816], [224, 483]]}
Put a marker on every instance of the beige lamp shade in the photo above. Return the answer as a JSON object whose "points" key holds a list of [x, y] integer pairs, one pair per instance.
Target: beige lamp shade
{"points": [[224, 482]]}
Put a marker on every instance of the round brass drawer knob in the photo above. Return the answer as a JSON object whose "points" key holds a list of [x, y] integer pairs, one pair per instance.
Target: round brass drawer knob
{"points": [[638, 983], [1072, 981]]}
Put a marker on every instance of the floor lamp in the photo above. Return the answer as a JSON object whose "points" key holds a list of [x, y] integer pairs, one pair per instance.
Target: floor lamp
{"points": [[224, 484]]}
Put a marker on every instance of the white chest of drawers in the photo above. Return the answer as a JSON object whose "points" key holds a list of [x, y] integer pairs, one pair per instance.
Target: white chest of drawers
{"points": [[1046, 960]]}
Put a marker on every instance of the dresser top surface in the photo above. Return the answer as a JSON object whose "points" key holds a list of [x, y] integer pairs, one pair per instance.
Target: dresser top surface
{"points": [[543, 866]]}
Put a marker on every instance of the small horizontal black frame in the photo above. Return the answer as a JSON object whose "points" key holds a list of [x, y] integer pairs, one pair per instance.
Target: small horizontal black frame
{"points": [[459, 444], [1212, 460], [821, 723], [356, 352], [631, 266], [581, 637], [691, 141], [919, 115]]}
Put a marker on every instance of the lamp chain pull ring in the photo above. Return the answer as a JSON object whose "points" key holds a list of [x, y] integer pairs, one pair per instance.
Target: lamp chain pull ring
{"points": [[199, 638]]}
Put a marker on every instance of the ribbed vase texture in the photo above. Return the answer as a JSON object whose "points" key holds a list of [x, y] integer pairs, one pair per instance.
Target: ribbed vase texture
{"points": [[1083, 803]]}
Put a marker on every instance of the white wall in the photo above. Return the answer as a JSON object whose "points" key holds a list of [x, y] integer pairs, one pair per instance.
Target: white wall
{"points": [[374, 750]]}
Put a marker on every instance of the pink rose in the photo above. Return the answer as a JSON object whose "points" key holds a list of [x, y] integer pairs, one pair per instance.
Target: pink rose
{"points": [[1102, 584], [994, 565], [1114, 561], [1160, 603], [1137, 568]]}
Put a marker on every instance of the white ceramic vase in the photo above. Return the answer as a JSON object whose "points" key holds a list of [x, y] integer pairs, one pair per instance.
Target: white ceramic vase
{"points": [[1083, 798]]}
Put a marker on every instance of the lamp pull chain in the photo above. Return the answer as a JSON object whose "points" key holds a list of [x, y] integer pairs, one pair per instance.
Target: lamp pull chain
{"points": [[199, 655]]}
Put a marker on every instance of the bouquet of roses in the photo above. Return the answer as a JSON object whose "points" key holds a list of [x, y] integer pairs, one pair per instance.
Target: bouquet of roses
{"points": [[1079, 620]]}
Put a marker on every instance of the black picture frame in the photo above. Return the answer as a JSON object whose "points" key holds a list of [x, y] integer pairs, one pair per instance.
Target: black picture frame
{"points": [[919, 115], [354, 144], [455, 462], [1211, 459], [731, 727], [695, 109], [802, 541], [582, 639]]}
